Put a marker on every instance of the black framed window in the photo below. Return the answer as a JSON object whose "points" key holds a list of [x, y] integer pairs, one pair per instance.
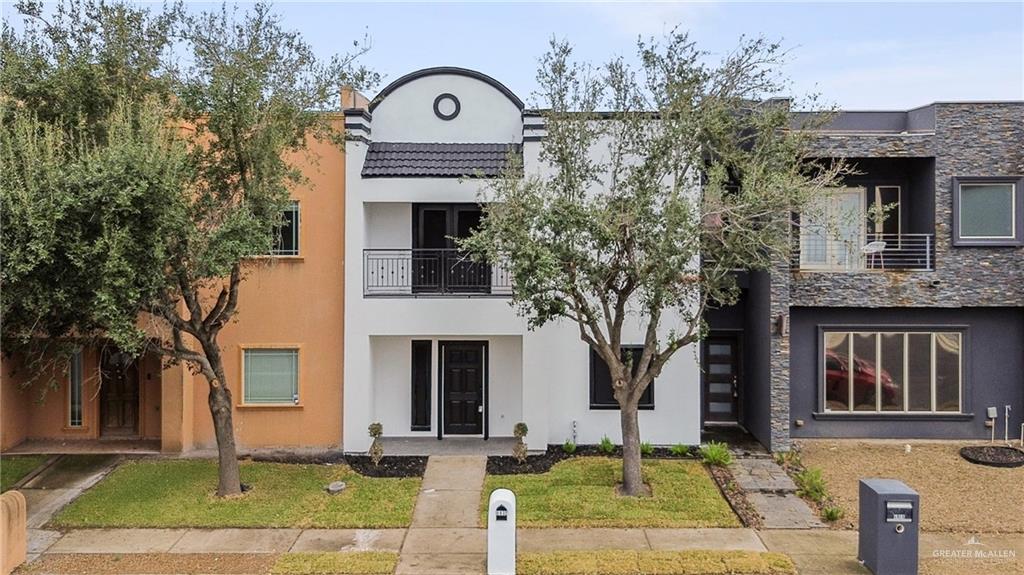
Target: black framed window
{"points": [[601, 394], [987, 211], [286, 236], [421, 360]]}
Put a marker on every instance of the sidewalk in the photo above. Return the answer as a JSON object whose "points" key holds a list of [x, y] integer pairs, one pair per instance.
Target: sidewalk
{"points": [[463, 550]]}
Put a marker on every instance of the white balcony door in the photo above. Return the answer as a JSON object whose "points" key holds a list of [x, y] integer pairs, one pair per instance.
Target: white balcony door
{"points": [[832, 233]]}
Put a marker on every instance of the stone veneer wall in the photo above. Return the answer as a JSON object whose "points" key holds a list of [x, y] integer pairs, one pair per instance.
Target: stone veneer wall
{"points": [[971, 139]]}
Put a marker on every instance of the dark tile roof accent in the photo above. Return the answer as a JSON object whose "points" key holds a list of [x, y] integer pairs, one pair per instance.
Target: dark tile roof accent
{"points": [[430, 160]]}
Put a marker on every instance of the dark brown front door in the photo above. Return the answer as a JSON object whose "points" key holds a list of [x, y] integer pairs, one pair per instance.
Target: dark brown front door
{"points": [[119, 395], [721, 378], [463, 381]]}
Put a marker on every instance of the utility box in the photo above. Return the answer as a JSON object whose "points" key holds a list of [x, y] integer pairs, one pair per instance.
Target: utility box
{"points": [[890, 519], [501, 533]]}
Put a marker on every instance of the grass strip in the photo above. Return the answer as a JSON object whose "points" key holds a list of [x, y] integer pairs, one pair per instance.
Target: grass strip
{"points": [[655, 563], [340, 563], [14, 467]]}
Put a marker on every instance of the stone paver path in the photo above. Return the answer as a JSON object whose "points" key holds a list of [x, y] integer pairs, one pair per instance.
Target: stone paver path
{"points": [[773, 494]]}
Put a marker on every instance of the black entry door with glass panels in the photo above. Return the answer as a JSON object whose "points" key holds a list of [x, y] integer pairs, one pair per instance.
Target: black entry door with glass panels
{"points": [[438, 265], [462, 381], [721, 378]]}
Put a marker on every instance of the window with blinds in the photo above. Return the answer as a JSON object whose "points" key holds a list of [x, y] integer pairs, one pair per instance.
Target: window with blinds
{"points": [[271, 376]]}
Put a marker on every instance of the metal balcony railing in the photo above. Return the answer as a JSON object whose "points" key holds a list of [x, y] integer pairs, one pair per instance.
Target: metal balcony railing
{"points": [[863, 252], [431, 272]]}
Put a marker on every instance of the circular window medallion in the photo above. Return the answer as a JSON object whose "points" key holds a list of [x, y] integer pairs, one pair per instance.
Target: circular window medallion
{"points": [[447, 106]]}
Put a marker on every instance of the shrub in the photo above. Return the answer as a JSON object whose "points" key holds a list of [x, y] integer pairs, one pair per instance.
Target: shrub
{"points": [[646, 449], [810, 484], [519, 450], [376, 450], [832, 513], [679, 450], [606, 446], [569, 447], [715, 453]]}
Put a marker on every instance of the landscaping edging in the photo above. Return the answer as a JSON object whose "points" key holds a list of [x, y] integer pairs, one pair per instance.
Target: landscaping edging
{"points": [[389, 466], [542, 463], [993, 455], [735, 497]]}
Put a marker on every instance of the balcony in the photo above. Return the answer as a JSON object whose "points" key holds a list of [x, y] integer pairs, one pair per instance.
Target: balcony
{"points": [[863, 252], [430, 272]]}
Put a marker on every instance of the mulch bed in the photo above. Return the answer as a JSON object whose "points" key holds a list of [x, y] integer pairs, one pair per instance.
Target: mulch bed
{"points": [[736, 497], [542, 463], [993, 455], [390, 466]]}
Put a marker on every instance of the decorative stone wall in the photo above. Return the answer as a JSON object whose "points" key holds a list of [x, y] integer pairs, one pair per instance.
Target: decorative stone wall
{"points": [[779, 360], [973, 139]]}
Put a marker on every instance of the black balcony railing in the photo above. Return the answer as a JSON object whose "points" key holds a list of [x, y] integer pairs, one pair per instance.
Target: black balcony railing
{"points": [[431, 272], [863, 252]]}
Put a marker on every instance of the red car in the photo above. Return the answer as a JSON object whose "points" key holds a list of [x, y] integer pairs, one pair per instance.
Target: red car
{"points": [[837, 382]]}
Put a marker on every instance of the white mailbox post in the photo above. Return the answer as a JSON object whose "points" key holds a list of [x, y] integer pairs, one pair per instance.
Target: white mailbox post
{"points": [[501, 533]]}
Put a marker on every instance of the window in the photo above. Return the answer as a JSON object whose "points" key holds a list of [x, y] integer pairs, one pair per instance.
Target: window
{"points": [[601, 395], [865, 371], [986, 211], [271, 376], [286, 236], [888, 227], [421, 353], [75, 391], [832, 231]]}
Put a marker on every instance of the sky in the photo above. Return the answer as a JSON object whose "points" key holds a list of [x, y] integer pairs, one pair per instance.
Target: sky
{"points": [[857, 55]]}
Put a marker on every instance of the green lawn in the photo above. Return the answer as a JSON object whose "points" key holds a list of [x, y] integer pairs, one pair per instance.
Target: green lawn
{"points": [[343, 563], [580, 492], [655, 562], [180, 493], [14, 467]]}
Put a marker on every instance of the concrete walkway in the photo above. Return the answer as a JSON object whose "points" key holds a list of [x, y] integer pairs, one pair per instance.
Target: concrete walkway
{"points": [[773, 494], [445, 537], [60, 482]]}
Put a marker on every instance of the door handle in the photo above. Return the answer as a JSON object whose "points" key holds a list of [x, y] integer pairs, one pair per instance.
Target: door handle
{"points": [[479, 409]]}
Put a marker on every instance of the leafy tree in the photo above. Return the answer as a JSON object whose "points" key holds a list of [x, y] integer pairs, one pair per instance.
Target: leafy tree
{"points": [[644, 213], [163, 242]]}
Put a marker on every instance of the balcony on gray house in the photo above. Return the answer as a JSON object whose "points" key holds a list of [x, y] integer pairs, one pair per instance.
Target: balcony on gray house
{"points": [[881, 219]]}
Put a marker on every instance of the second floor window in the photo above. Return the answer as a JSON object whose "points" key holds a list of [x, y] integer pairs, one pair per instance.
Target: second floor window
{"points": [[987, 211], [286, 237]]}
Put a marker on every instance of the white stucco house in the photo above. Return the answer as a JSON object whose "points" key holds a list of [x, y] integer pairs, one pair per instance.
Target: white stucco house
{"points": [[432, 347]]}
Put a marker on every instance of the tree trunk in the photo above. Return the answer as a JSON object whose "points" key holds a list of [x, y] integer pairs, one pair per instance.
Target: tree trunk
{"points": [[229, 478], [632, 475]]}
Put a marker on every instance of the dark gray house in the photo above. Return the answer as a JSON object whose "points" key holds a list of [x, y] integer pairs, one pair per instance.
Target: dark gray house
{"points": [[905, 322]]}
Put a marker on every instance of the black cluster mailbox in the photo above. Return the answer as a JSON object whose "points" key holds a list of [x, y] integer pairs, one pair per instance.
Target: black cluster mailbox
{"points": [[889, 526]]}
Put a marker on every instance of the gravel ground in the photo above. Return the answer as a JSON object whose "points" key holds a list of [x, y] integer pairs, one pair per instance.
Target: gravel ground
{"points": [[956, 496], [152, 563]]}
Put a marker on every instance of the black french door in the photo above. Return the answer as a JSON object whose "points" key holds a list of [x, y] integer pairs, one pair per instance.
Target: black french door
{"points": [[438, 265]]}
